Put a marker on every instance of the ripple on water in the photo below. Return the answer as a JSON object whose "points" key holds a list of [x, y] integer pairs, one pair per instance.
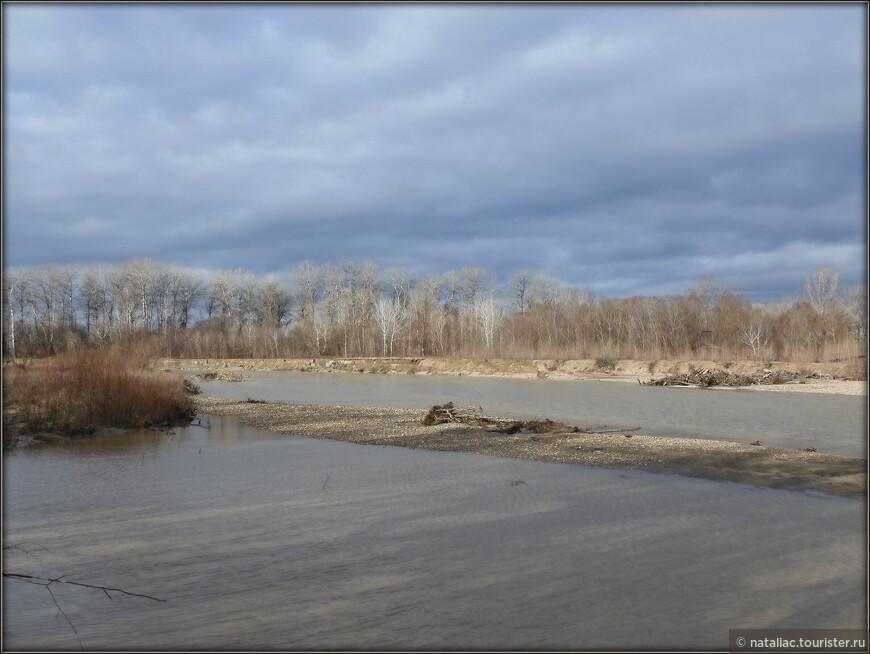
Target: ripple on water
{"points": [[830, 423], [265, 541]]}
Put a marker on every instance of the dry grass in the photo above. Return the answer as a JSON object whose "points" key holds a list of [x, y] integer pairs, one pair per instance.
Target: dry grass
{"points": [[90, 389]]}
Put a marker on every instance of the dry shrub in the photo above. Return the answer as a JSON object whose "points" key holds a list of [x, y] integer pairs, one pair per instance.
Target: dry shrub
{"points": [[605, 363], [856, 369], [89, 389]]}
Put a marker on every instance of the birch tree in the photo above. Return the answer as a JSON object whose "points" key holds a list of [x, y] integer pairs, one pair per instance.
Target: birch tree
{"points": [[390, 316], [489, 314], [140, 276], [12, 280], [755, 336], [43, 300], [123, 298]]}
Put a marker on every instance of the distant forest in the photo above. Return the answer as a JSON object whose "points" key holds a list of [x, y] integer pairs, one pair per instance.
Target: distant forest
{"points": [[356, 309]]}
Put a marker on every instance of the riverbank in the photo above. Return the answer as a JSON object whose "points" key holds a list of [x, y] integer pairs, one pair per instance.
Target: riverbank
{"points": [[835, 378], [706, 459]]}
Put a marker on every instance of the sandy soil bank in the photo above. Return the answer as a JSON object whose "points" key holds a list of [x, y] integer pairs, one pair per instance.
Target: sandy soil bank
{"points": [[831, 374], [707, 459]]}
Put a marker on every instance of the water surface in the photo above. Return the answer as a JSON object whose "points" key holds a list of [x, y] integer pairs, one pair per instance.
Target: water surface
{"points": [[835, 424], [263, 541]]}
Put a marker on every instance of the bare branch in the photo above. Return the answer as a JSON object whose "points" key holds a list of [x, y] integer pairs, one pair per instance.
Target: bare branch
{"points": [[61, 611], [45, 581], [27, 551]]}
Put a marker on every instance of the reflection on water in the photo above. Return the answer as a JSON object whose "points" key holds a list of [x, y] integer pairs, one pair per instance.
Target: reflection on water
{"points": [[834, 424], [262, 541]]}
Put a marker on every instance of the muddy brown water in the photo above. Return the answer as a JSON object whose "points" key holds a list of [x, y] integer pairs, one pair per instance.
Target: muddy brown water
{"points": [[264, 541]]}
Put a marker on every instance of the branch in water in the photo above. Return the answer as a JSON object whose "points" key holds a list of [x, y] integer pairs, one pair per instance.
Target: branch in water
{"points": [[45, 581]]}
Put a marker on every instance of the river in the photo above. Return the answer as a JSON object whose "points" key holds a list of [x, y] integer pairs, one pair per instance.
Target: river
{"points": [[265, 541], [835, 424]]}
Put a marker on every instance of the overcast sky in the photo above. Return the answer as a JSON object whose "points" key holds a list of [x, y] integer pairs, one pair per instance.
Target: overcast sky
{"points": [[629, 149]]}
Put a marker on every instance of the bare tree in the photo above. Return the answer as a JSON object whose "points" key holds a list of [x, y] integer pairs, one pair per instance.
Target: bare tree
{"points": [[248, 312], [124, 301], [307, 281], [709, 291], [475, 282], [225, 288], [351, 290], [755, 336], [64, 280], [162, 280], [520, 287], [390, 316], [322, 323], [43, 303], [307, 290], [365, 286], [399, 283], [187, 290], [452, 282], [544, 290], [140, 276], [821, 286], [12, 281], [426, 317], [333, 310], [858, 311], [273, 302], [489, 314], [95, 299], [339, 309]]}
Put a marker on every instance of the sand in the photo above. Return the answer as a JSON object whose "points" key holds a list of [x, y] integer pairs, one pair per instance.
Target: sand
{"points": [[829, 377]]}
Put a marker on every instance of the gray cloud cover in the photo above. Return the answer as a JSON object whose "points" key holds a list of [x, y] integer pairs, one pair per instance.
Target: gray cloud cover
{"points": [[627, 148]]}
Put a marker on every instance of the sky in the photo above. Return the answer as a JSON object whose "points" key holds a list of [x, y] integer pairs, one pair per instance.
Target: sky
{"points": [[628, 149]]}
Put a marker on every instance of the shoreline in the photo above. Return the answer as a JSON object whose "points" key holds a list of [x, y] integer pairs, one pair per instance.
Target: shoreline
{"points": [[706, 459], [828, 378]]}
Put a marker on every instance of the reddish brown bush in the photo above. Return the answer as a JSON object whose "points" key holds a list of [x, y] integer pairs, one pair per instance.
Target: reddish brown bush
{"points": [[89, 389]]}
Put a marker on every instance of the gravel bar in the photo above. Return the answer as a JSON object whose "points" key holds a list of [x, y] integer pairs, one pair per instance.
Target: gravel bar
{"points": [[705, 459]]}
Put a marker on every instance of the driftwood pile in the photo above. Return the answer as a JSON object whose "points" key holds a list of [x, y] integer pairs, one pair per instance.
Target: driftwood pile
{"points": [[450, 413], [707, 378], [190, 388]]}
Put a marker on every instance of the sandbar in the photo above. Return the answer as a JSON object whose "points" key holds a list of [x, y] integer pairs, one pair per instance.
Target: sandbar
{"points": [[715, 460]]}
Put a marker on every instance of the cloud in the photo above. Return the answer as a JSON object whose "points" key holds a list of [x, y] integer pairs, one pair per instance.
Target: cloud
{"points": [[627, 148]]}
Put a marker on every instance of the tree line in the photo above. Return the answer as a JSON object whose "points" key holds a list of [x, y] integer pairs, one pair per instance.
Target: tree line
{"points": [[357, 309]]}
